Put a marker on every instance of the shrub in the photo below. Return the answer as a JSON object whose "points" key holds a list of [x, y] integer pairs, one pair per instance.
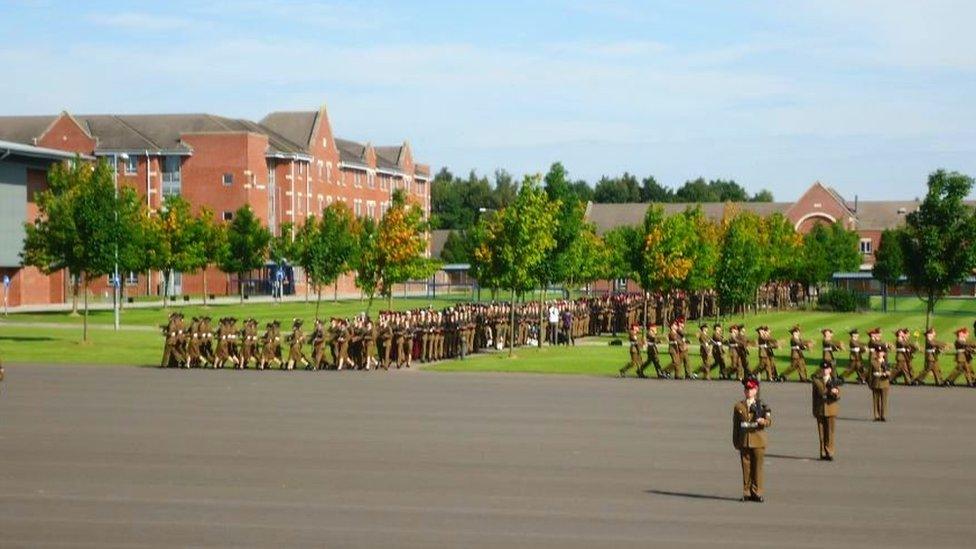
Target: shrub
{"points": [[842, 300]]}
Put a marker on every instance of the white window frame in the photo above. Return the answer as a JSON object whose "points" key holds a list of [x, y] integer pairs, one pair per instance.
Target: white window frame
{"points": [[224, 180], [866, 246], [132, 165]]}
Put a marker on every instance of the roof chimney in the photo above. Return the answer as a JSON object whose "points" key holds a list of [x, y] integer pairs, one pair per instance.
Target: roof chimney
{"points": [[855, 203]]}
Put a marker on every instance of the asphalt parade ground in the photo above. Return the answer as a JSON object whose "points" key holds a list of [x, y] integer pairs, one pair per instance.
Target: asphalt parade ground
{"points": [[105, 456]]}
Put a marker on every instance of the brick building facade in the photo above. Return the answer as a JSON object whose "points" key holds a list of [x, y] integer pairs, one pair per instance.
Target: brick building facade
{"points": [[287, 167]]}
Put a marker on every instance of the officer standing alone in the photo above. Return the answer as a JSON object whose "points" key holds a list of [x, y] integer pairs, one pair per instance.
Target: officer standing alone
{"points": [[750, 419]]}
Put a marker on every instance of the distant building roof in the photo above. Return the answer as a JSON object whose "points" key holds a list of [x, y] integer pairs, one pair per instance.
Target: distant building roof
{"points": [[610, 216]]}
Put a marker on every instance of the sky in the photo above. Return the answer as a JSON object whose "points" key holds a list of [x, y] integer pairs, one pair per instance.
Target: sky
{"points": [[866, 96]]}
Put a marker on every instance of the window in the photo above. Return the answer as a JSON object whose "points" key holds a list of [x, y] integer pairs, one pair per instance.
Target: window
{"points": [[357, 180], [866, 246], [371, 180], [370, 208], [228, 216], [228, 179], [358, 207], [172, 182], [328, 199], [131, 278], [320, 169], [328, 171], [271, 175], [131, 165]]}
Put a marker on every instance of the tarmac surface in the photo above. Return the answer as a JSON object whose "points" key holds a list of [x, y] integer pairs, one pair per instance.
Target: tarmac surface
{"points": [[104, 456]]}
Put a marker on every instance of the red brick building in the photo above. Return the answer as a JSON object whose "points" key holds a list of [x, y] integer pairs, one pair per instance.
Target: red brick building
{"points": [[287, 167]]}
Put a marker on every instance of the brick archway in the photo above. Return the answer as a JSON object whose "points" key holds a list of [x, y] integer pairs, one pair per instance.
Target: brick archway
{"points": [[815, 216]]}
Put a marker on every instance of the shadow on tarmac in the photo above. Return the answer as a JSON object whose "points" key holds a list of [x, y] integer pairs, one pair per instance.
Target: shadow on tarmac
{"points": [[692, 496]]}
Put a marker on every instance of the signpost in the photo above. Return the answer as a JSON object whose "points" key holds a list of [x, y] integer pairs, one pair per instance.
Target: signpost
{"points": [[6, 290]]}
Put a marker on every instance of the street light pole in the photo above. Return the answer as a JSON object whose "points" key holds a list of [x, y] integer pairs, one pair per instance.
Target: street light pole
{"points": [[117, 282]]}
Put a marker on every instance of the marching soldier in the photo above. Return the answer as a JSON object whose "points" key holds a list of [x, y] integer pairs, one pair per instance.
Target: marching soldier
{"points": [[705, 351], [880, 378], [718, 351], [964, 357], [826, 393], [318, 345], [750, 419], [653, 357], [635, 353], [798, 362], [742, 347], [172, 353], [933, 349], [249, 343], [271, 345], [829, 346], [735, 358], [766, 344], [855, 365], [904, 352]]}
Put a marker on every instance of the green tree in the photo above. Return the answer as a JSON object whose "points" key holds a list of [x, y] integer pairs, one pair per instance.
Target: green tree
{"points": [[457, 248], [617, 190], [173, 242], [764, 195], [889, 263], [703, 250], [938, 237], [247, 246], [213, 235], [829, 249], [652, 191], [77, 227], [623, 252], [783, 247], [740, 265], [517, 238], [367, 261], [326, 248], [402, 246]]}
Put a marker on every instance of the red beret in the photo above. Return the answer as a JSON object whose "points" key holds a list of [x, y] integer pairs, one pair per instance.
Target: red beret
{"points": [[752, 384]]}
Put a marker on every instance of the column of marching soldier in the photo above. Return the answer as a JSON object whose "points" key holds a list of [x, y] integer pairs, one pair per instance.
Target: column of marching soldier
{"points": [[399, 338]]}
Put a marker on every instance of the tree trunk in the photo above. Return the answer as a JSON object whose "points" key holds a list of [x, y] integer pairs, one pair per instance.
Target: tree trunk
{"points": [[335, 291], [204, 285], [389, 300], [511, 327], [165, 291], [74, 295], [318, 301], [84, 329], [542, 313], [240, 286]]}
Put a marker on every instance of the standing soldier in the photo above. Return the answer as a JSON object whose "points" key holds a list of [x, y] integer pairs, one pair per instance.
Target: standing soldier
{"points": [[826, 393], [933, 349], [750, 419], [384, 340], [249, 342], [880, 378], [904, 352], [705, 351], [735, 358], [766, 345], [964, 357], [798, 362], [674, 350], [635, 353], [296, 341], [855, 365]]}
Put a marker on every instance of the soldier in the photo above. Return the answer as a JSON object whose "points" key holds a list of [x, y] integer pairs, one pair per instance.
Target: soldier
{"points": [[826, 393], [223, 352], [343, 339], [933, 349], [249, 343], [742, 347], [683, 349], [880, 378], [735, 357], [318, 345], [829, 346], [194, 344], [384, 342], [766, 345], [635, 353], [750, 419], [653, 357], [855, 365], [270, 346], [704, 351], [904, 352], [173, 332], [718, 351], [798, 362], [964, 357]]}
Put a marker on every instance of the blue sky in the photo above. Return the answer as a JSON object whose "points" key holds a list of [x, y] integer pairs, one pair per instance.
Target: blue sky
{"points": [[866, 96]]}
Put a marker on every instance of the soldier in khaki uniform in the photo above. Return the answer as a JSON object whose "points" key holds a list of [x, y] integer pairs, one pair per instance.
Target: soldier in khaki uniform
{"points": [[856, 363], [742, 347], [964, 357], [826, 393], [704, 351], [718, 351], [933, 349], [651, 342], [829, 346], [798, 362], [635, 353], [750, 419], [735, 358], [904, 352], [880, 376], [766, 344]]}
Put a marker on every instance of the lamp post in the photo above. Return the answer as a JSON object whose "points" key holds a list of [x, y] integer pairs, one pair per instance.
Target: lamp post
{"points": [[117, 282]]}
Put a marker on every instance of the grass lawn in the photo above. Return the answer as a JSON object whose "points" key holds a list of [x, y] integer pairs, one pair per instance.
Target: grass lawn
{"points": [[141, 344]]}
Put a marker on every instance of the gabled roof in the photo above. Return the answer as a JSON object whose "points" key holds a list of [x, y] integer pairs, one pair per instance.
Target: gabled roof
{"points": [[24, 129], [389, 158], [295, 126], [351, 152]]}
